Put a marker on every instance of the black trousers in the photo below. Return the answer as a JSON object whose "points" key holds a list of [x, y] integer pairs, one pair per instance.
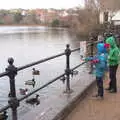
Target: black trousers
{"points": [[112, 75], [100, 86]]}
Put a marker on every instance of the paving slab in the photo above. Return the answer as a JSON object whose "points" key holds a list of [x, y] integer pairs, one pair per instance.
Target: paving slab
{"points": [[94, 109]]}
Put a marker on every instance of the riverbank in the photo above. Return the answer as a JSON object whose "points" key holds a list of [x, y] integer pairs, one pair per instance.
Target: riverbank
{"points": [[34, 25], [78, 35]]}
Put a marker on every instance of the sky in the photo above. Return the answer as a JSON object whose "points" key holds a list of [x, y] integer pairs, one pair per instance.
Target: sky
{"points": [[32, 4]]}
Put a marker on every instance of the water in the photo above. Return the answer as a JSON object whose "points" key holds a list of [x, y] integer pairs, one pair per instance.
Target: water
{"points": [[29, 44]]}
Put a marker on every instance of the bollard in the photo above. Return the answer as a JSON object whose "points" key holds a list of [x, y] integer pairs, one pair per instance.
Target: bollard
{"points": [[11, 73], [67, 71]]}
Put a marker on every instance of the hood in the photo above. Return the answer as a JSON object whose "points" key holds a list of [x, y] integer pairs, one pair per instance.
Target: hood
{"points": [[101, 48], [111, 41]]}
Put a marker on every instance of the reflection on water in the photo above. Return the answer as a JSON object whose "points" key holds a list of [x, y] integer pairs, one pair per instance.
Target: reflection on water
{"points": [[28, 44]]}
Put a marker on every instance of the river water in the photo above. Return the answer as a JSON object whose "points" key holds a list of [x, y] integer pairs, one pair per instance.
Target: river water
{"points": [[29, 44]]}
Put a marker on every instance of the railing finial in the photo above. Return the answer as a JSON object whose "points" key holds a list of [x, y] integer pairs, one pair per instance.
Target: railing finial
{"points": [[10, 60], [68, 45]]}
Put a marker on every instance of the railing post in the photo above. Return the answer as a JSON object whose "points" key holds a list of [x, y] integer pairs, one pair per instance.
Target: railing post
{"points": [[67, 71], [12, 72]]}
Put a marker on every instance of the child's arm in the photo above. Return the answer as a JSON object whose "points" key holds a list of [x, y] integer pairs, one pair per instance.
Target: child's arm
{"points": [[90, 58], [93, 60]]}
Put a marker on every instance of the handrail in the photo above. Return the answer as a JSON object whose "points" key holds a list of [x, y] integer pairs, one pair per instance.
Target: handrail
{"points": [[11, 72], [4, 108], [74, 50], [3, 74], [43, 86], [78, 65], [40, 61], [43, 60]]}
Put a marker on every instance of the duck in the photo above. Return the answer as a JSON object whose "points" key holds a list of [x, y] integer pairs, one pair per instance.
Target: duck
{"points": [[35, 72], [33, 100], [63, 79], [9, 94], [75, 72], [30, 82], [23, 91], [3, 116]]}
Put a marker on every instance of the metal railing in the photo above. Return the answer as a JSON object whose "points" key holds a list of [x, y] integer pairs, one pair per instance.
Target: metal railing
{"points": [[12, 71]]}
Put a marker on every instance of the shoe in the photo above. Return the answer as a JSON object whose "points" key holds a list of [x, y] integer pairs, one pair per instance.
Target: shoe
{"points": [[101, 97], [97, 97], [108, 88], [112, 91]]}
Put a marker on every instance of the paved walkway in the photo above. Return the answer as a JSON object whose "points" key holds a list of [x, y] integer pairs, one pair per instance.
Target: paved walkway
{"points": [[92, 109]]}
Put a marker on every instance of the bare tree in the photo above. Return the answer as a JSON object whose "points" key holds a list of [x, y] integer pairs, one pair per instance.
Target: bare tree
{"points": [[87, 19], [92, 4], [109, 5]]}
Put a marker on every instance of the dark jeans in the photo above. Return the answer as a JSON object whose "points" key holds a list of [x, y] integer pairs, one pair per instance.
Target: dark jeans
{"points": [[100, 86], [112, 75]]}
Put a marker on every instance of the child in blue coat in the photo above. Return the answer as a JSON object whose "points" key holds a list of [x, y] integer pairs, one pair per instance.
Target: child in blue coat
{"points": [[100, 61]]}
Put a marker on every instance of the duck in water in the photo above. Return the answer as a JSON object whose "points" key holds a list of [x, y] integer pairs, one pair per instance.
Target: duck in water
{"points": [[33, 101], [23, 91], [3, 116], [9, 94], [35, 72], [30, 82]]}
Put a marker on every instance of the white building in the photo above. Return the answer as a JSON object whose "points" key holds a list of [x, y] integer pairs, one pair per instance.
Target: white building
{"points": [[116, 18], [109, 16]]}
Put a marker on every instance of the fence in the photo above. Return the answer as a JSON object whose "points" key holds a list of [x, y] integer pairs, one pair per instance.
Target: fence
{"points": [[12, 71]]}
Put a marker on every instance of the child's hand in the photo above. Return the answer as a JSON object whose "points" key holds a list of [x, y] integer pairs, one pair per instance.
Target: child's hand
{"points": [[95, 61]]}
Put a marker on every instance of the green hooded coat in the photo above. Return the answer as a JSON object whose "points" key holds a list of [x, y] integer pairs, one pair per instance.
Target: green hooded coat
{"points": [[114, 53]]}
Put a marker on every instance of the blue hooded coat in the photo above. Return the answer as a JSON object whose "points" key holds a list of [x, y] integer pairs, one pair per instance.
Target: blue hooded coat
{"points": [[101, 57]]}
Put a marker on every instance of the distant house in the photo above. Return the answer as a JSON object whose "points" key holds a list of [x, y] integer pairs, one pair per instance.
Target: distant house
{"points": [[41, 15], [24, 12], [108, 16], [52, 15], [116, 18], [63, 13]]}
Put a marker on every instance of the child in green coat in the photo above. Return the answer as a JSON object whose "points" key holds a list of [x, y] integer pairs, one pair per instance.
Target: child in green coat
{"points": [[113, 61]]}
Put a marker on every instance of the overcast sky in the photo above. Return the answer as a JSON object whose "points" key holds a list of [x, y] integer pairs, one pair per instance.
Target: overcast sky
{"points": [[30, 4]]}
